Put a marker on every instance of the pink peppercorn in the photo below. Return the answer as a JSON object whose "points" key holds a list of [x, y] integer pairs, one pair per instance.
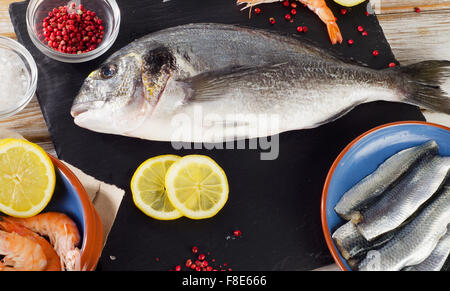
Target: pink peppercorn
{"points": [[59, 28]]}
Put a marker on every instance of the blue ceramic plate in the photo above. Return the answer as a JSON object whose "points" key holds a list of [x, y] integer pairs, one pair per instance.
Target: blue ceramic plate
{"points": [[362, 157]]}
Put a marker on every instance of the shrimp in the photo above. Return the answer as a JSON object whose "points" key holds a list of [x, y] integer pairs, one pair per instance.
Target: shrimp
{"points": [[62, 232], [21, 253], [53, 260], [318, 6]]}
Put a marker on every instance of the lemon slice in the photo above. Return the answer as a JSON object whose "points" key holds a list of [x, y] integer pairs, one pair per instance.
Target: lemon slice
{"points": [[349, 3], [149, 191], [197, 186], [27, 178]]}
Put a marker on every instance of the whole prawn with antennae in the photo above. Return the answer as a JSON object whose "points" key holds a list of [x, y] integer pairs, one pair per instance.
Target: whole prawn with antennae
{"points": [[318, 6]]}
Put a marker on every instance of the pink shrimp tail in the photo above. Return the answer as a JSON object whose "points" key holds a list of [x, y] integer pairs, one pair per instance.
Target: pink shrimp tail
{"points": [[335, 33]]}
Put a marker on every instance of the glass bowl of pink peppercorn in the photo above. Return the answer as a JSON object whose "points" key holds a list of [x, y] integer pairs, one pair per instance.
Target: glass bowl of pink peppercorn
{"points": [[73, 31]]}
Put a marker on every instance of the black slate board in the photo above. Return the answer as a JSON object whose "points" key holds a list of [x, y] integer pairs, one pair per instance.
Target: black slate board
{"points": [[276, 204]]}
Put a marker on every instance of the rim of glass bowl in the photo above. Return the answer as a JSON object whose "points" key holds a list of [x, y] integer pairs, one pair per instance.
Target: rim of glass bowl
{"points": [[25, 55], [74, 58]]}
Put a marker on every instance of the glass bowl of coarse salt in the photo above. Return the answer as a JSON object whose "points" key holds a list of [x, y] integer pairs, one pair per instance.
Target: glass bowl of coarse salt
{"points": [[18, 77]]}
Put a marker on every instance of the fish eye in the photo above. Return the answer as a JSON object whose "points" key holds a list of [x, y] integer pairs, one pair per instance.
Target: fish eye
{"points": [[108, 71]]}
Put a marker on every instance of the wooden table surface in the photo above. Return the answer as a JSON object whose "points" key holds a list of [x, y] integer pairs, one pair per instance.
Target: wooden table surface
{"points": [[413, 36]]}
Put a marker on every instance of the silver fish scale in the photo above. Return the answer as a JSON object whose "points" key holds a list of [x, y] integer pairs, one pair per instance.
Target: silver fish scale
{"points": [[402, 200], [438, 257], [374, 185], [416, 241]]}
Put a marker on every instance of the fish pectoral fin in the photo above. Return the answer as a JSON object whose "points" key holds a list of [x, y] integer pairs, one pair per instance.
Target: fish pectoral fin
{"points": [[212, 85]]}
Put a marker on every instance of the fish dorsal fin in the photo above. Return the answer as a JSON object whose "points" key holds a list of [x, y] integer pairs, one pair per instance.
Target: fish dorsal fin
{"points": [[213, 85]]}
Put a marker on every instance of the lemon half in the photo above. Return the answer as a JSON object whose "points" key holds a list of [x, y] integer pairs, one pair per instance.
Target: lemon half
{"points": [[197, 186], [349, 3], [27, 178], [148, 188]]}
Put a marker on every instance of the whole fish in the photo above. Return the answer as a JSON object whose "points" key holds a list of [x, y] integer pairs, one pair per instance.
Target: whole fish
{"points": [[213, 82], [414, 242], [437, 259], [400, 202], [372, 186], [352, 244]]}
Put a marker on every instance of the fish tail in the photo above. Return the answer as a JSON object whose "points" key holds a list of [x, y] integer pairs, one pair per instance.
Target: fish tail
{"points": [[425, 82]]}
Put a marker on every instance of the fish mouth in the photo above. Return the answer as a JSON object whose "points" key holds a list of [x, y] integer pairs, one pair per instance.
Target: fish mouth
{"points": [[78, 109]]}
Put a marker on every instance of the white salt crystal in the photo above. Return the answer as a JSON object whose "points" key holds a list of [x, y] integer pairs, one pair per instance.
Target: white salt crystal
{"points": [[14, 78]]}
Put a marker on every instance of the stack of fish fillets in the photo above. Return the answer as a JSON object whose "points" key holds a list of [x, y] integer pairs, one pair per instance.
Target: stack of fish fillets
{"points": [[398, 217]]}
